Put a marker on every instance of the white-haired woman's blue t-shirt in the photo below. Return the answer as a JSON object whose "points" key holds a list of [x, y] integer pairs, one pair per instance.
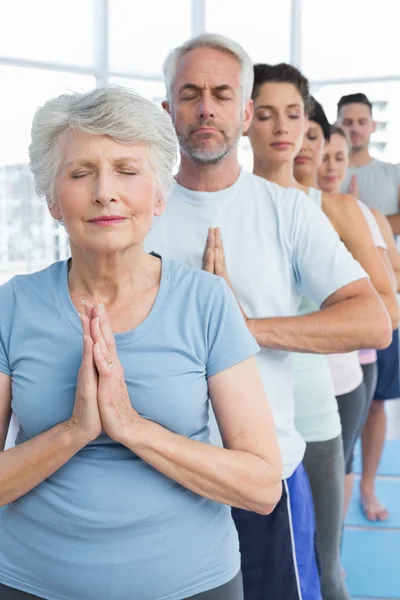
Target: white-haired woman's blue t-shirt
{"points": [[107, 525]]}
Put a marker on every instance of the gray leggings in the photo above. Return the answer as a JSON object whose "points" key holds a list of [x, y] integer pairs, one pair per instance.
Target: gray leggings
{"points": [[324, 463], [233, 590], [353, 410]]}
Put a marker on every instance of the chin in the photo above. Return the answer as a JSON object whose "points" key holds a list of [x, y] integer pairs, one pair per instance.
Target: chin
{"points": [[107, 245], [302, 170]]}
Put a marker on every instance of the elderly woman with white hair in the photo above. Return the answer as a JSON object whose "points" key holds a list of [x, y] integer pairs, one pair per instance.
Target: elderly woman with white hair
{"points": [[110, 361]]}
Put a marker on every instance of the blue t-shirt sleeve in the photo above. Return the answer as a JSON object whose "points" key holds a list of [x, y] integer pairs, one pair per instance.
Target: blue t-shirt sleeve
{"points": [[229, 341], [321, 262], [6, 318]]}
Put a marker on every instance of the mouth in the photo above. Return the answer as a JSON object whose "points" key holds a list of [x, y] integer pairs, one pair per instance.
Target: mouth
{"points": [[302, 160], [330, 178], [282, 145], [108, 220], [206, 130]]}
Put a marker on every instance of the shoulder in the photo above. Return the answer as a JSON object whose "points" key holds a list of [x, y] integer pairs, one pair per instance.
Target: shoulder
{"points": [[342, 210], [192, 281], [339, 203], [274, 193], [7, 295], [25, 285], [386, 166]]}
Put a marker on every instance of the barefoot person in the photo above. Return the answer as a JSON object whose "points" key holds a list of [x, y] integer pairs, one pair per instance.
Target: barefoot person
{"points": [[377, 184], [277, 133], [330, 177]]}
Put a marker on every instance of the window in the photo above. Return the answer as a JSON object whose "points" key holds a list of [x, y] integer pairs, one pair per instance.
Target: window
{"points": [[29, 238], [44, 30], [385, 97], [153, 90], [349, 39], [262, 28], [142, 33]]}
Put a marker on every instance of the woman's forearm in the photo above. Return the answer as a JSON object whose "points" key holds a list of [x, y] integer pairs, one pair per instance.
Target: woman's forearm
{"points": [[232, 477], [25, 466]]}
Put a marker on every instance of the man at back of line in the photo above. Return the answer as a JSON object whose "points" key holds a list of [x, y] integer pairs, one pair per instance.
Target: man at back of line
{"points": [[377, 184], [277, 247]]}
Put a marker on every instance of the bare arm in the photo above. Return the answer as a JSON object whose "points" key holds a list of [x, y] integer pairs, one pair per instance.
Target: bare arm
{"points": [[352, 228], [392, 252], [25, 466], [343, 324], [247, 472]]}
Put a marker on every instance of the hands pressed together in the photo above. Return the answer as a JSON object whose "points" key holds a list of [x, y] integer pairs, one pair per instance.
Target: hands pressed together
{"points": [[102, 400], [214, 259]]}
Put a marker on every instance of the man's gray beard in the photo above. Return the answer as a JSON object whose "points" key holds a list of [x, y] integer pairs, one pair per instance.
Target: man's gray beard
{"points": [[208, 156]]}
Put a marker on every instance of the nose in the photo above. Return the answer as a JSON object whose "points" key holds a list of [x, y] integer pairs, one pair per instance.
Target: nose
{"points": [[104, 191], [329, 163], [206, 108], [281, 126]]}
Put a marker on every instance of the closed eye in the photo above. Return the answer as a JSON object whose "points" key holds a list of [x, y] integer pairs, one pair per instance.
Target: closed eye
{"points": [[79, 175]]}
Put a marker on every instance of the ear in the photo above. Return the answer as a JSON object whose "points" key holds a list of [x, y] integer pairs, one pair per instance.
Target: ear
{"points": [[165, 105], [159, 207], [373, 126], [54, 209], [248, 116]]}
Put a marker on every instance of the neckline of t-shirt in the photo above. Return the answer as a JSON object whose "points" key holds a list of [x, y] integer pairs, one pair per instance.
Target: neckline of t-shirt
{"points": [[197, 196], [127, 337]]}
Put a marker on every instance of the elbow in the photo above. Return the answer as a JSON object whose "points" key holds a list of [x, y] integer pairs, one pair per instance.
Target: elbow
{"points": [[382, 332], [266, 505], [264, 498], [395, 316], [393, 311]]}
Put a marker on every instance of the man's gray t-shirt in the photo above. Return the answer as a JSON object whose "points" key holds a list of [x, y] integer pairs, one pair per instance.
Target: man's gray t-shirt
{"points": [[378, 184]]}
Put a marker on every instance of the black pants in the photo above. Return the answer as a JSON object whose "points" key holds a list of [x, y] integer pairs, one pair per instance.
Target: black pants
{"points": [[233, 590]]}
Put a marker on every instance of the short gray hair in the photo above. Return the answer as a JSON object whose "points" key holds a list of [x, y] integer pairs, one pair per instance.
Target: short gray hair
{"points": [[215, 42], [115, 111]]}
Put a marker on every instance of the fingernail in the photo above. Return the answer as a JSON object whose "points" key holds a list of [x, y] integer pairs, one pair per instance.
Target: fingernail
{"points": [[97, 320], [83, 302], [101, 308]]}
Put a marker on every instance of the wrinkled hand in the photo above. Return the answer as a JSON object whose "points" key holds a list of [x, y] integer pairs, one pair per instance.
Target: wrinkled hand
{"points": [[116, 411], [85, 420], [214, 259]]}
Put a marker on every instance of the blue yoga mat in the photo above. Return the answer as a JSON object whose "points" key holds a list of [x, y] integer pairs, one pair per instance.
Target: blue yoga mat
{"points": [[372, 562], [388, 492], [390, 462]]}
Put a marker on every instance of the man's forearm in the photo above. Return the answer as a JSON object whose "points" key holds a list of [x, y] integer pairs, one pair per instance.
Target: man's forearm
{"points": [[348, 325], [394, 221]]}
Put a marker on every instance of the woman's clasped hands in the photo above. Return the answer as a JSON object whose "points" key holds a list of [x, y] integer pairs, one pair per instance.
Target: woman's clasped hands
{"points": [[102, 401]]}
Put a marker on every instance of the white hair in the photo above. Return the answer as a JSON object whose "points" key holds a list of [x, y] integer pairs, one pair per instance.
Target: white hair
{"points": [[215, 42], [115, 111]]}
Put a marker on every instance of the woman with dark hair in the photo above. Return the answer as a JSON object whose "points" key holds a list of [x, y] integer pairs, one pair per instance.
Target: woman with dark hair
{"points": [[281, 103]]}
